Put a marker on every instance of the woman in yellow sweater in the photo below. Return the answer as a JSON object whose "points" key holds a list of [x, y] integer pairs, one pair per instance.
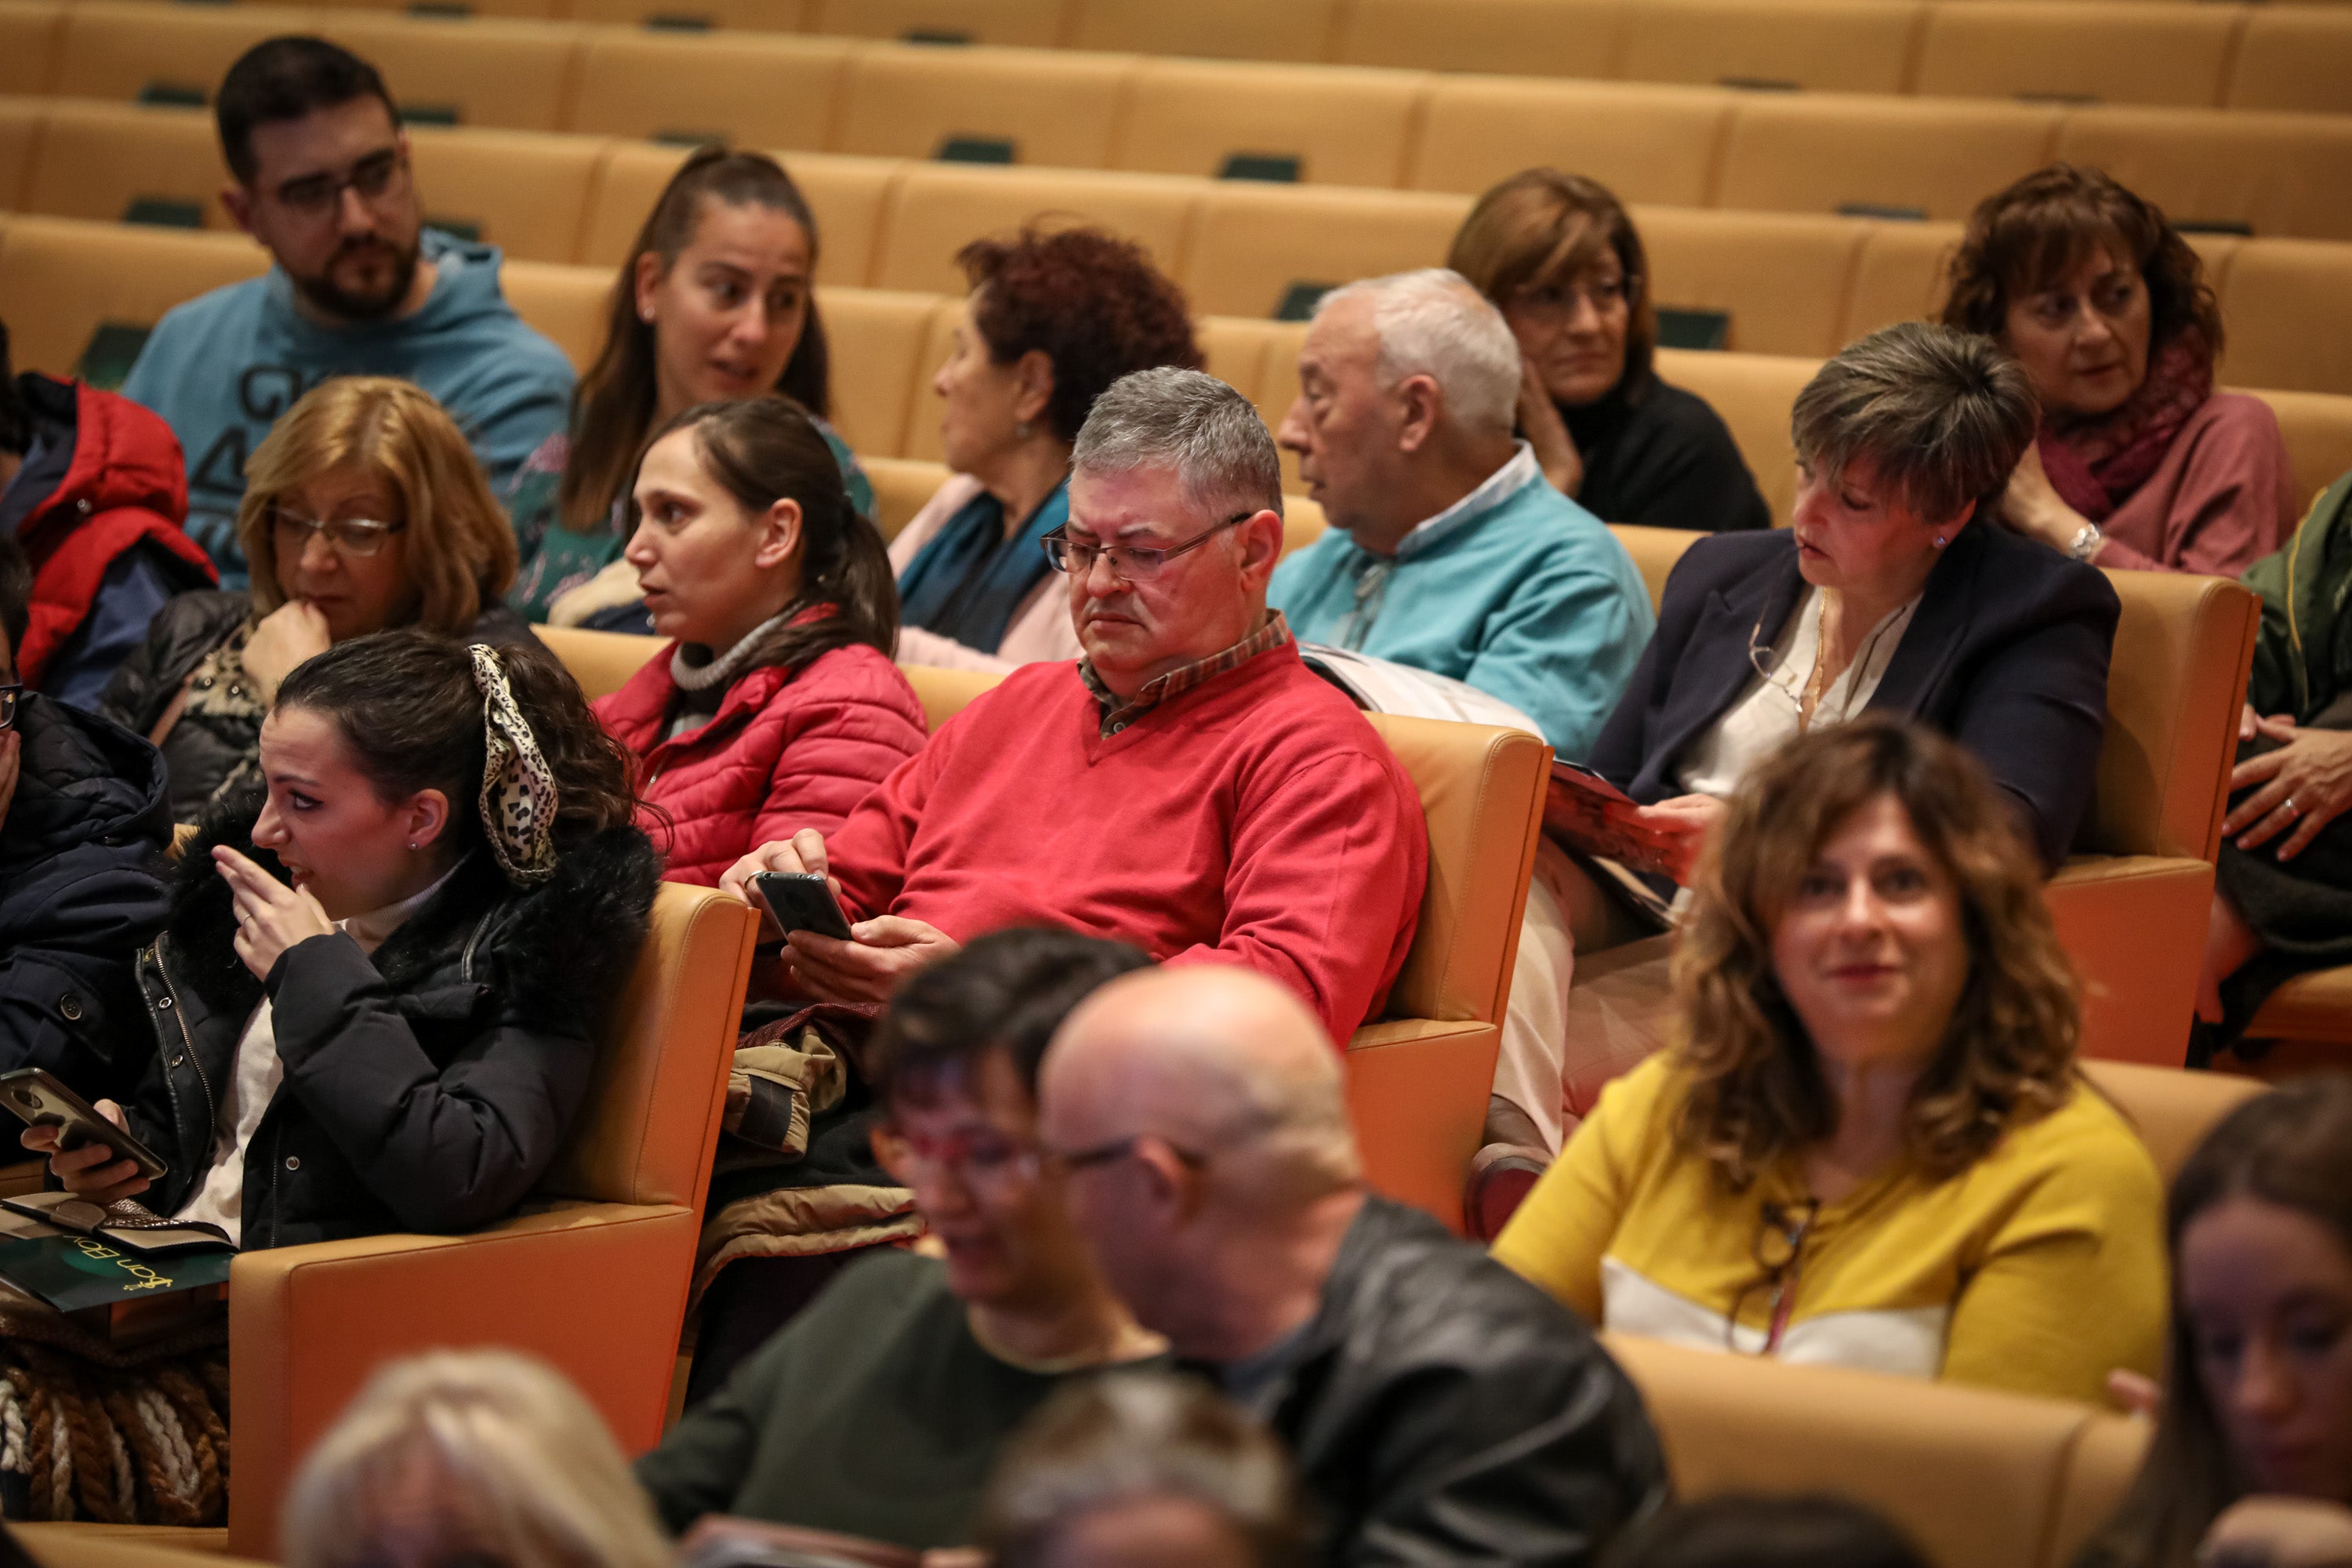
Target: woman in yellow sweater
{"points": [[1872, 1146]]}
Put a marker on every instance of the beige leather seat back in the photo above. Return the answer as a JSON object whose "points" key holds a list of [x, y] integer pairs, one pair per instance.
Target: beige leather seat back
{"points": [[2174, 686], [1523, 38], [936, 209], [1657, 145], [1655, 552], [883, 350], [1034, 24], [1820, 151], [2294, 58], [902, 487], [85, 276], [2280, 173], [660, 1076], [602, 662], [29, 30], [1820, 46], [1256, 239], [945, 693], [2284, 300], [2172, 1109], [1341, 125], [1055, 109], [2096, 50], [100, 160], [1783, 279], [571, 305], [479, 70], [1209, 29], [759, 90]]}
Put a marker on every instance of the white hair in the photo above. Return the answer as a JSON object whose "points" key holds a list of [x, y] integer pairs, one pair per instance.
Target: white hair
{"points": [[1432, 322]]}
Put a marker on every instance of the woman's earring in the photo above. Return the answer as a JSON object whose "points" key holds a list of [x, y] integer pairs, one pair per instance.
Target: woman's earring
{"points": [[1939, 541], [1020, 431]]}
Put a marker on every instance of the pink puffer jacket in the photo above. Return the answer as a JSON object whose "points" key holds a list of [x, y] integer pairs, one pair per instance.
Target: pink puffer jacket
{"points": [[785, 752]]}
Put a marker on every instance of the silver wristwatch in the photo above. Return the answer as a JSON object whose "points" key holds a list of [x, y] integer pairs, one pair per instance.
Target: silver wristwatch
{"points": [[2086, 543]]}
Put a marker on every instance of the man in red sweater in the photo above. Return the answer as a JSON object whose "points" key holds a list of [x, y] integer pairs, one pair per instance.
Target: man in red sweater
{"points": [[1187, 786]]}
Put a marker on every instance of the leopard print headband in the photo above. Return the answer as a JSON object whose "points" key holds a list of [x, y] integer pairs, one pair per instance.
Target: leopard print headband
{"points": [[517, 800]]}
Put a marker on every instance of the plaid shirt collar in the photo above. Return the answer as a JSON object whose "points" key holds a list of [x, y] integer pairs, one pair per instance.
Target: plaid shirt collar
{"points": [[1118, 715]]}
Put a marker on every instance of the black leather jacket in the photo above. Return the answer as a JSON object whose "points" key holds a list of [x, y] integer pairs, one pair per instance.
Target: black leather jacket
{"points": [[1444, 1410], [427, 1087], [203, 749]]}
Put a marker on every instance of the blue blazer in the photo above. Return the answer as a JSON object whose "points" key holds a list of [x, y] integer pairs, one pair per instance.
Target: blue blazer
{"points": [[2007, 653]]}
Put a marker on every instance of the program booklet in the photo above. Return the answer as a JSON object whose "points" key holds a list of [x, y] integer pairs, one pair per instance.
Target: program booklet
{"points": [[72, 1272]]}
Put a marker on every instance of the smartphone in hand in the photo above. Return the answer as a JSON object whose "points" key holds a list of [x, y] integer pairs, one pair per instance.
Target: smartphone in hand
{"points": [[39, 1099], [801, 900]]}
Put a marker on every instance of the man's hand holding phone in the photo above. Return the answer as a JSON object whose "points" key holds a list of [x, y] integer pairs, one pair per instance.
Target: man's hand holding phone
{"points": [[867, 968], [90, 1170]]}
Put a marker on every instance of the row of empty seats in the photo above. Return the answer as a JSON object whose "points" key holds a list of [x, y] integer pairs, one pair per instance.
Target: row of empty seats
{"points": [[2231, 56], [2256, 172], [61, 281], [1784, 283]]}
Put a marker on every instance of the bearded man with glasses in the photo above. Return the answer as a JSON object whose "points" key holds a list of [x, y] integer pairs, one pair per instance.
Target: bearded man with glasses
{"points": [[323, 178], [1189, 785]]}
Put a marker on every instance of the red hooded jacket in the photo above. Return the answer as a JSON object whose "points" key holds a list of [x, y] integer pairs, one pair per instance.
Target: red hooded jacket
{"points": [[127, 482]]}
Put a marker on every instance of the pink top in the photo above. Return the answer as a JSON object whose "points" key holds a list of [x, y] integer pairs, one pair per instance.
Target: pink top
{"points": [[2223, 498]]}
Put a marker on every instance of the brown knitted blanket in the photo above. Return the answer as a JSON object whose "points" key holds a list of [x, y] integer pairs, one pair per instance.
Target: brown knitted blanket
{"points": [[121, 1438]]}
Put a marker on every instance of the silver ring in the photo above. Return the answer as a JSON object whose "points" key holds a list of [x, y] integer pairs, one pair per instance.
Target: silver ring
{"points": [[2291, 811]]}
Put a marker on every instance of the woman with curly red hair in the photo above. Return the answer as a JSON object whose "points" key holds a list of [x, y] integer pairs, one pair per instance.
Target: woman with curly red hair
{"points": [[2140, 463], [1053, 319], [1870, 1146]]}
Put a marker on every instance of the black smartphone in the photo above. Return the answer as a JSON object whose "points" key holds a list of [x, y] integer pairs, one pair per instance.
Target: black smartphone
{"points": [[801, 900], [40, 1100]]}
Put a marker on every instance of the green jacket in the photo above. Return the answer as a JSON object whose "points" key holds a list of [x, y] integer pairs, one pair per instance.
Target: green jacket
{"points": [[2302, 656]]}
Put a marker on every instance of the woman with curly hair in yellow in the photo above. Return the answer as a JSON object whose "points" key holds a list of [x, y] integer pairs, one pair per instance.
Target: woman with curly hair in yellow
{"points": [[1870, 1146]]}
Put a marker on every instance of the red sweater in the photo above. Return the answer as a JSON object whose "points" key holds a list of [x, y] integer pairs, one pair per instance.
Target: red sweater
{"points": [[1256, 819], [784, 752]]}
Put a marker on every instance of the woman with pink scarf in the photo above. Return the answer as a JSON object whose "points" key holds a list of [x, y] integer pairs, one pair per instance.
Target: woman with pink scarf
{"points": [[2139, 462]]}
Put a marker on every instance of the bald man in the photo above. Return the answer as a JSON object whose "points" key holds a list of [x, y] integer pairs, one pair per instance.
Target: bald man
{"points": [[1442, 1410]]}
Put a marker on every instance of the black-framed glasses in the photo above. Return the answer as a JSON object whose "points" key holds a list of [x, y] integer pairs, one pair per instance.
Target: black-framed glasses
{"points": [[1120, 1148], [1129, 563], [1779, 1248], [313, 196], [10, 696], [352, 536]]}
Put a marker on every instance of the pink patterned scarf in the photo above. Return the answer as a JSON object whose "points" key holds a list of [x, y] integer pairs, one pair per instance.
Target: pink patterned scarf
{"points": [[2096, 464]]}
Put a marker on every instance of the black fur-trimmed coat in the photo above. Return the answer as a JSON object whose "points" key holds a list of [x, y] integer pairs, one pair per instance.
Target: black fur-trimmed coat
{"points": [[426, 1088]]}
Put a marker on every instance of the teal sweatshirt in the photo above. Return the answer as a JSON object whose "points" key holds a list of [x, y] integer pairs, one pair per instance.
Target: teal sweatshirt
{"points": [[1515, 589], [221, 369]]}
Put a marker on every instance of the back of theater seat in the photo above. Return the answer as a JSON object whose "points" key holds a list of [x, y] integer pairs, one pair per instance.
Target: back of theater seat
{"points": [[1338, 125], [1654, 144], [2294, 58], [525, 192], [1035, 23], [936, 209], [745, 16], [1302, 523], [2318, 430], [1518, 37], [2113, 51], [1234, 349], [2283, 304], [902, 487], [570, 305], [20, 133], [62, 279], [1655, 552], [1826, 45], [1294, 30], [1017, 106], [1979, 1478], [881, 349], [628, 182], [1900, 276], [2171, 1109], [29, 30], [1783, 279], [1256, 244], [2276, 173], [515, 76], [847, 196], [1754, 393], [107, 162], [751, 90], [602, 662], [126, 49], [1823, 153], [1277, 389]]}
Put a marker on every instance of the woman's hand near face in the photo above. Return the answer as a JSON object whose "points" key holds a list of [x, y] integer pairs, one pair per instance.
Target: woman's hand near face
{"points": [[1546, 432], [286, 636], [270, 916], [2279, 1532], [2313, 768], [2033, 506], [1680, 827], [90, 1172]]}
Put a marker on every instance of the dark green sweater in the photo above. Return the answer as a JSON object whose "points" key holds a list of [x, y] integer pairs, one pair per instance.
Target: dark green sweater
{"points": [[874, 1413]]}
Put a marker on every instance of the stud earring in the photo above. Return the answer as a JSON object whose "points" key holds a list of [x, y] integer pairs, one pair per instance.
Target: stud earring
{"points": [[1939, 541], [1020, 431]]}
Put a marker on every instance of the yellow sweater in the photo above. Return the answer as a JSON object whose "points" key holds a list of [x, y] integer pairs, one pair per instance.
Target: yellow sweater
{"points": [[2040, 1268]]}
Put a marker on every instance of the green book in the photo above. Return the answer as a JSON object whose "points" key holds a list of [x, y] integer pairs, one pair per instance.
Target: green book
{"points": [[71, 1272]]}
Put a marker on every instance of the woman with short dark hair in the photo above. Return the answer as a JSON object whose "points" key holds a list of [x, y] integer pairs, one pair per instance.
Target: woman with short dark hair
{"points": [[2139, 462], [1871, 1145], [1053, 319]]}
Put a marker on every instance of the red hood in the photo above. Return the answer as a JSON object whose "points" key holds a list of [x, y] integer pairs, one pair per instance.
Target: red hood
{"points": [[124, 456]]}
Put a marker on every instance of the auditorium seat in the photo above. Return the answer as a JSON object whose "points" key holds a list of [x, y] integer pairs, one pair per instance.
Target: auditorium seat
{"points": [[748, 90], [878, 340], [515, 76], [1016, 106], [602, 662], [1234, 349], [1655, 552], [1825, 46], [1821, 153], [85, 1545], [61, 280], [1707, 261], [627, 184], [525, 192], [1979, 1477], [2318, 430], [571, 305], [2274, 173], [937, 208], [1254, 243], [1336, 126], [697, 16], [2170, 1108], [2091, 51], [2294, 58], [1753, 393], [1518, 37], [125, 49], [29, 30], [924, 404], [845, 195], [902, 487], [20, 134], [2284, 307], [1291, 31], [1303, 522], [593, 1281], [1035, 23], [1277, 389], [109, 160], [1661, 146], [1900, 276], [2312, 1016]]}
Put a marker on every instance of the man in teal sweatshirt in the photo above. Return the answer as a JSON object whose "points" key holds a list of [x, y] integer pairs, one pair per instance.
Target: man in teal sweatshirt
{"points": [[1447, 551], [360, 287]]}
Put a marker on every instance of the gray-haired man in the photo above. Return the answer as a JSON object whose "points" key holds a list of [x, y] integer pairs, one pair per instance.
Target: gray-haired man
{"points": [[1187, 786]]}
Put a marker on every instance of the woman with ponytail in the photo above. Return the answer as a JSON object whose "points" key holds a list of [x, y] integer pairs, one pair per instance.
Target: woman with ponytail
{"points": [[776, 706]]}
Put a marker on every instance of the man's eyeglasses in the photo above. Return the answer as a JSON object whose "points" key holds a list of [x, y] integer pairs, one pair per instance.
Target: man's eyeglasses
{"points": [[351, 536], [1779, 1249], [9, 697], [1120, 1148], [314, 196], [1129, 563]]}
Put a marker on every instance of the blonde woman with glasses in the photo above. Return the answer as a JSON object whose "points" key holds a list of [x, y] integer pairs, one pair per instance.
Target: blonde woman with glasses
{"points": [[363, 511]]}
